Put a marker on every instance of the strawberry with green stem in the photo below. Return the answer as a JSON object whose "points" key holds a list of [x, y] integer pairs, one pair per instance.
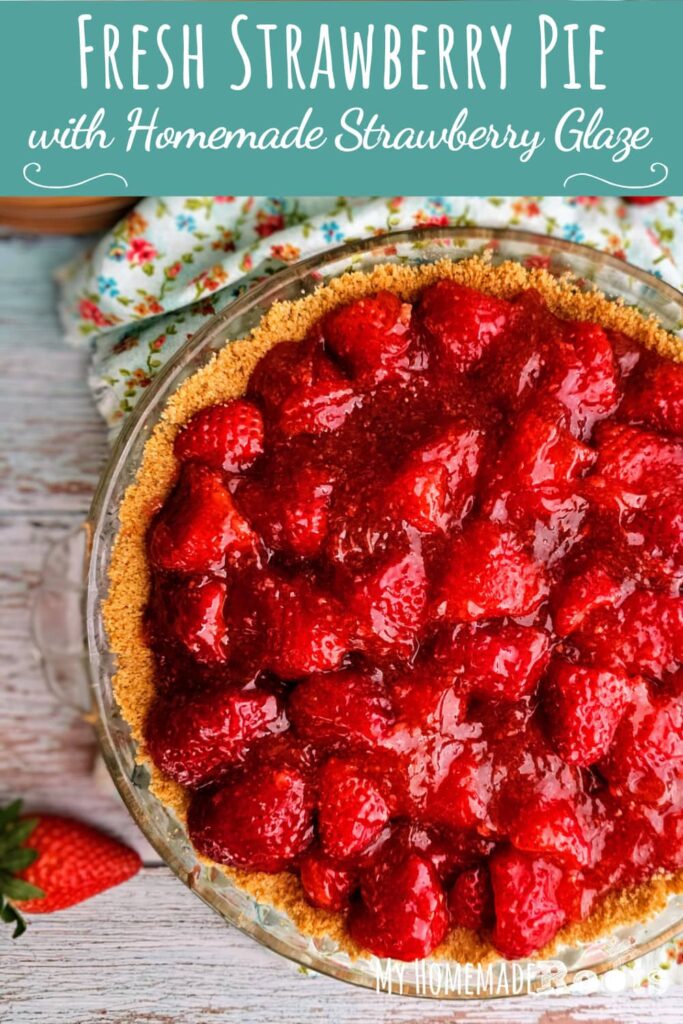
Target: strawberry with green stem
{"points": [[49, 862], [15, 857]]}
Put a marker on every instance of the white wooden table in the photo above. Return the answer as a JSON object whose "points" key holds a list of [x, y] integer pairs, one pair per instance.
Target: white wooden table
{"points": [[147, 952]]}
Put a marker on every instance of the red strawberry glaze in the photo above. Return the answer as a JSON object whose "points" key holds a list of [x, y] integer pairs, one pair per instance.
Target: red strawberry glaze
{"points": [[417, 619]]}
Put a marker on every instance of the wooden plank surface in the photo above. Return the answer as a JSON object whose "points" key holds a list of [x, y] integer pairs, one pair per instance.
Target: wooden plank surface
{"points": [[148, 952]]}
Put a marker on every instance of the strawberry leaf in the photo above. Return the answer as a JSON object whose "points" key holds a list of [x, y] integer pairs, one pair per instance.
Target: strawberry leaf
{"points": [[18, 889], [19, 859], [15, 857], [15, 833], [10, 813], [10, 915]]}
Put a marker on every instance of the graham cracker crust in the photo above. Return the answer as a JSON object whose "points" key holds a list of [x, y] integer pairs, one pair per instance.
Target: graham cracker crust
{"points": [[225, 377]]}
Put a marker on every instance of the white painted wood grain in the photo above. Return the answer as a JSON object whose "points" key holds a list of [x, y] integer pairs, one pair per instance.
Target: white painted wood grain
{"points": [[148, 952]]}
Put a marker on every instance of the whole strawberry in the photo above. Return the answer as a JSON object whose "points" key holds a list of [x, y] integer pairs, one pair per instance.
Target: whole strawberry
{"points": [[227, 437], [49, 862]]}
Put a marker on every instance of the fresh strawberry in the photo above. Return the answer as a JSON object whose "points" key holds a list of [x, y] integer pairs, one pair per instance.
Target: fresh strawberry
{"points": [[554, 829], [290, 513], [643, 635], [362, 529], [574, 599], [450, 852], [227, 437], [460, 322], [262, 822], [403, 912], [427, 701], [419, 496], [540, 458], [458, 788], [287, 750], [318, 409], [371, 336], [584, 707], [389, 605], [341, 708], [199, 527], [326, 884], [471, 899], [459, 448], [488, 573], [289, 367], [527, 907], [48, 862], [495, 662], [578, 893], [516, 362], [193, 614], [639, 461], [305, 630], [525, 769], [661, 557], [584, 376], [655, 399], [195, 738], [627, 353], [630, 847], [351, 810], [645, 761], [435, 486]]}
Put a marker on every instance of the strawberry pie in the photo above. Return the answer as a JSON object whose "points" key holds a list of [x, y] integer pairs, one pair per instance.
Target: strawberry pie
{"points": [[396, 604]]}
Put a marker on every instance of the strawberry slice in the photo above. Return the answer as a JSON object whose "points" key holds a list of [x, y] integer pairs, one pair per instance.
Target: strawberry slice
{"points": [[194, 738], [199, 526], [574, 599], [495, 662], [655, 399], [326, 884], [584, 707], [305, 630], [389, 605], [341, 708], [403, 911], [639, 461], [194, 615], [262, 822], [318, 409], [288, 368], [527, 906], [351, 810], [540, 459], [585, 379], [556, 829], [372, 336], [461, 322], [227, 437], [419, 496], [645, 761], [489, 573], [471, 899], [643, 635], [436, 486], [290, 512]]}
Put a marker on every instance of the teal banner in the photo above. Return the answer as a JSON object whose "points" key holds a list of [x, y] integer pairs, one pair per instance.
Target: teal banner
{"points": [[460, 97]]}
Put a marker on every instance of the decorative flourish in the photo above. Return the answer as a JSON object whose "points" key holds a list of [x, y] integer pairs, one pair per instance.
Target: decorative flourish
{"points": [[76, 184], [624, 188]]}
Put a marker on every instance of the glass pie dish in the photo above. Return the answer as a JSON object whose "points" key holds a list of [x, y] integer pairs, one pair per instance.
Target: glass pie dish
{"points": [[69, 614]]}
